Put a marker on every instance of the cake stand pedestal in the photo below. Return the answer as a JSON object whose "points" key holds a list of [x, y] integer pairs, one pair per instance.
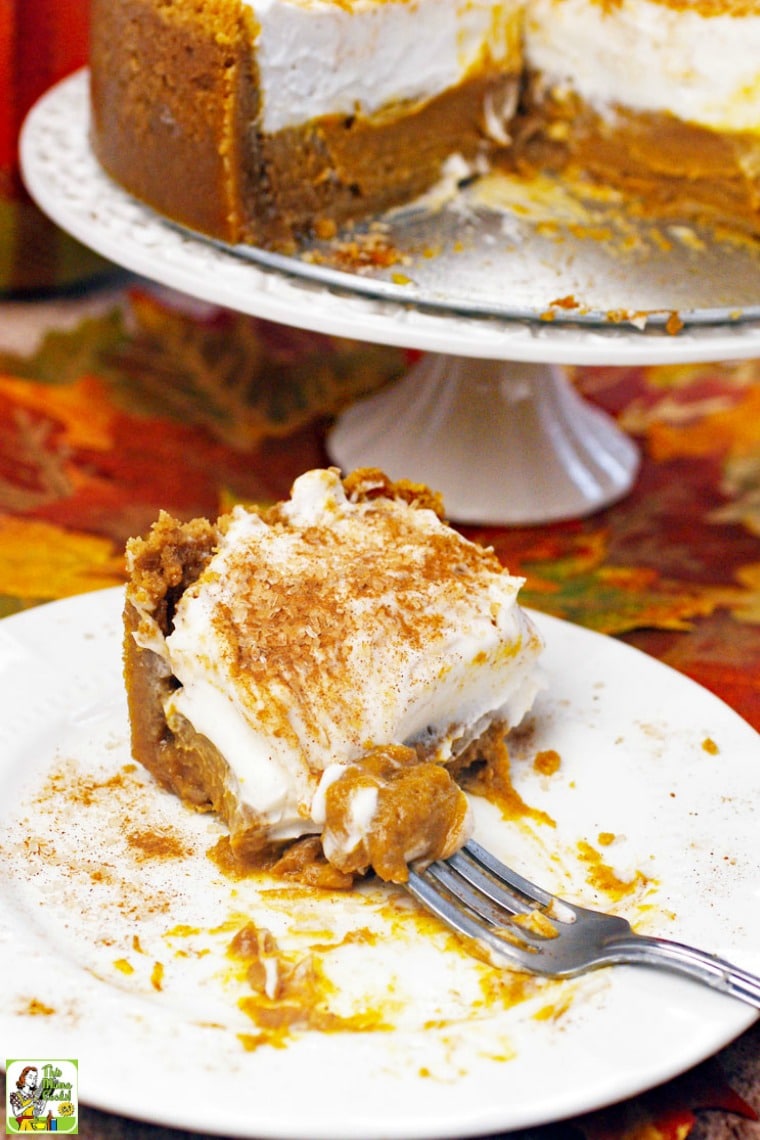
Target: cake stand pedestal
{"points": [[487, 417], [504, 442]]}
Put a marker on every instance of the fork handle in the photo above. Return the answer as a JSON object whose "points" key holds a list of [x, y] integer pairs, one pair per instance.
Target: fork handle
{"points": [[676, 956]]}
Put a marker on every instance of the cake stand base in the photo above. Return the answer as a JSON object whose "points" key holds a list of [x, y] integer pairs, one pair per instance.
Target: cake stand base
{"points": [[504, 442]]}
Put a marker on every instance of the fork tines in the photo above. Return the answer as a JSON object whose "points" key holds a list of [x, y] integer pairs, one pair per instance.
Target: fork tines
{"points": [[515, 923], [476, 895]]}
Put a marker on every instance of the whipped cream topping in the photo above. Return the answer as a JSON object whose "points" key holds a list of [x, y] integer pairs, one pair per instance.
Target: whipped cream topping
{"points": [[338, 625], [364, 56], [324, 57], [702, 66]]}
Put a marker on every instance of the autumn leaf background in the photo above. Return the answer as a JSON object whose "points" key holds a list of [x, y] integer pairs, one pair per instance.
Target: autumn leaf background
{"points": [[145, 408]]}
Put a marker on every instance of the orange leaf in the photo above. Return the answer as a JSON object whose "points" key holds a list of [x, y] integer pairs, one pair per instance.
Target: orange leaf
{"points": [[728, 431], [40, 561], [81, 408]]}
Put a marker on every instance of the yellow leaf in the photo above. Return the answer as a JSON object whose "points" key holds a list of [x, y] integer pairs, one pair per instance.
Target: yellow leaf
{"points": [[40, 561], [747, 606]]}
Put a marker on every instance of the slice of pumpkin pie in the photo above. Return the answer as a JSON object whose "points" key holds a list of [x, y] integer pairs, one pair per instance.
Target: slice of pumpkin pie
{"points": [[325, 667]]}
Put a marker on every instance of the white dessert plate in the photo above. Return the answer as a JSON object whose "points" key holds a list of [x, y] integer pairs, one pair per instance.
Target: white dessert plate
{"points": [[114, 922], [499, 286]]}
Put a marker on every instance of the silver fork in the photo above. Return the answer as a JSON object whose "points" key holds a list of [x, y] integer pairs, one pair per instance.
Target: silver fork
{"points": [[521, 925]]}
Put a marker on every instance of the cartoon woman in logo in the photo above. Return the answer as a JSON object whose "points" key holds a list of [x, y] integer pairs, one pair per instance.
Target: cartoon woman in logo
{"points": [[27, 1103]]}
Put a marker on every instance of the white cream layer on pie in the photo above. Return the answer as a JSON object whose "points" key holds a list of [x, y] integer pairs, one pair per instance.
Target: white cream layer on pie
{"points": [[339, 626], [329, 57], [698, 60]]}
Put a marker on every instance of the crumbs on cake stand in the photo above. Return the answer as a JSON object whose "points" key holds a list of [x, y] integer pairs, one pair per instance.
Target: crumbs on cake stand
{"points": [[359, 251]]}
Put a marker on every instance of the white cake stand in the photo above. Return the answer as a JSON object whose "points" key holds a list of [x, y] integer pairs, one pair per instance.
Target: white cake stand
{"points": [[505, 442], [488, 416]]}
